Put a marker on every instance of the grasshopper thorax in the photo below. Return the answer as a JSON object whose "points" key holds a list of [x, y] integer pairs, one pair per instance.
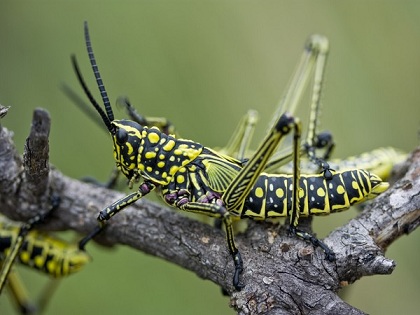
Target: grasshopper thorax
{"points": [[147, 152]]}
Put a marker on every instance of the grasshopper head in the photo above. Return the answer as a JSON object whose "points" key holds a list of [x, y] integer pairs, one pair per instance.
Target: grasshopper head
{"points": [[127, 138]]}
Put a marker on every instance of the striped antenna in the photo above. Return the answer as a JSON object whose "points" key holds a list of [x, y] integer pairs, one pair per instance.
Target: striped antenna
{"points": [[95, 104], [95, 69]]}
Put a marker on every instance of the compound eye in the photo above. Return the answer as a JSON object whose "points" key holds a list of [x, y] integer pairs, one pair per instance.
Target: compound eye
{"points": [[122, 136]]}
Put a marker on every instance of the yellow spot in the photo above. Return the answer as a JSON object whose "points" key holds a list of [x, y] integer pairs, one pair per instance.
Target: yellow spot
{"points": [[153, 137], [169, 146], [51, 266], [173, 170], [150, 155], [130, 166], [161, 164], [190, 153], [259, 192], [172, 158], [279, 192], [162, 156], [340, 189], [39, 261], [177, 152], [149, 169], [320, 192], [24, 256], [141, 167], [180, 179], [354, 185]]}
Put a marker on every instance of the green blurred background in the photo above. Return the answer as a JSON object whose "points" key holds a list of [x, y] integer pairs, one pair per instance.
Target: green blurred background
{"points": [[203, 64]]}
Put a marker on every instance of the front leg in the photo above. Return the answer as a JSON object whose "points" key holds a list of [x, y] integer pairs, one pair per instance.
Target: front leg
{"points": [[116, 207], [120, 204]]}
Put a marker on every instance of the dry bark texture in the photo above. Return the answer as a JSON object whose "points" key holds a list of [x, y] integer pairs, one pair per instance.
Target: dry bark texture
{"points": [[283, 275]]}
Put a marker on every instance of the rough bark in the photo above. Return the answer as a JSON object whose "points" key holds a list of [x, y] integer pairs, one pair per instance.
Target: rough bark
{"points": [[283, 275]]}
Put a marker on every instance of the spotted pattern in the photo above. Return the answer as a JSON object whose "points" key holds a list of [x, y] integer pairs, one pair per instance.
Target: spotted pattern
{"points": [[153, 154], [43, 252], [272, 194]]}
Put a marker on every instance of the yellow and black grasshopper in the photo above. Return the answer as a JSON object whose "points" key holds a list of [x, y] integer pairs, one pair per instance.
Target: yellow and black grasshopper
{"points": [[39, 251], [197, 179], [379, 161]]}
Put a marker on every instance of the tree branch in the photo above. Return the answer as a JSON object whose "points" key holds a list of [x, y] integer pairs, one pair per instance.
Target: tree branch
{"points": [[283, 275]]}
